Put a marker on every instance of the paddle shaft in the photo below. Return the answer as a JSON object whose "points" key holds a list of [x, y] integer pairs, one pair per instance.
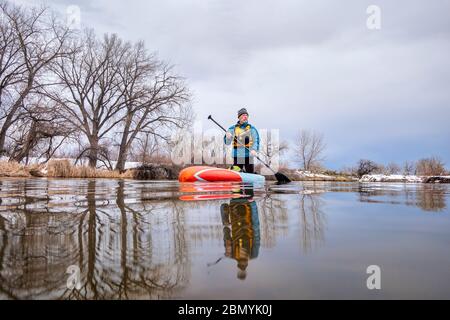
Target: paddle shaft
{"points": [[235, 139]]}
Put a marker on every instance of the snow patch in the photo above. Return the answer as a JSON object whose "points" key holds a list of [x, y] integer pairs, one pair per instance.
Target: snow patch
{"points": [[391, 178], [308, 174]]}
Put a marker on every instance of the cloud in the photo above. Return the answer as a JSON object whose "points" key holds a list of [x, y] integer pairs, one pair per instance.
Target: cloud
{"points": [[297, 64]]}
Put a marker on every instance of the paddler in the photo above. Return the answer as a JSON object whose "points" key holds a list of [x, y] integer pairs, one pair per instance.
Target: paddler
{"points": [[245, 139]]}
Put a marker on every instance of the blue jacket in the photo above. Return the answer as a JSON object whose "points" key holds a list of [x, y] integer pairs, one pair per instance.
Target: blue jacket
{"points": [[253, 135]]}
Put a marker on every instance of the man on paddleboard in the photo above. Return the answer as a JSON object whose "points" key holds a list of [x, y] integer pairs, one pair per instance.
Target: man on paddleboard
{"points": [[245, 140]]}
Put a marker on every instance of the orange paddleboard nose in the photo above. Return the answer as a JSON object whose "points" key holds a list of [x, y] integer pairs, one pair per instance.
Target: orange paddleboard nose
{"points": [[209, 174]]}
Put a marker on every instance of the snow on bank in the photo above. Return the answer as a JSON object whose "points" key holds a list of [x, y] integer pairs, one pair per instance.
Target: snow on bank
{"points": [[311, 175], [307, 175], [391, 178]]}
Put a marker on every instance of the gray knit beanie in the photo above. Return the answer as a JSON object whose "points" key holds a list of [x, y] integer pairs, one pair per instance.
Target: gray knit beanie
{"points": [[242, 111]]}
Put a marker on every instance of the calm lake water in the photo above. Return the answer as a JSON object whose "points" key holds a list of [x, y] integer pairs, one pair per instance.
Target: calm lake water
{"points": [[162, 240]]}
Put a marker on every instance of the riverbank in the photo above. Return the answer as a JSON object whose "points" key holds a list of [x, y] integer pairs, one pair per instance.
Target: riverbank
{"points": [[57, 169], [298, 175], [64, 168]]}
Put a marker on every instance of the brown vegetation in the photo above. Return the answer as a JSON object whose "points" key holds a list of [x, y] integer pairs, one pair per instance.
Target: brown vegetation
{"points": [[430, 167], [59, 169], [64, 169], [13, 169]]}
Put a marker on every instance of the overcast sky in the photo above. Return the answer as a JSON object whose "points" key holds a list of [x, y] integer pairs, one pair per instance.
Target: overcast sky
{"points": [[378, 94]]}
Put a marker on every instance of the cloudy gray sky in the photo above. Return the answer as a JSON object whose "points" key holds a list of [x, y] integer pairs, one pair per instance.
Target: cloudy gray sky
{"points": [[379, 94]]}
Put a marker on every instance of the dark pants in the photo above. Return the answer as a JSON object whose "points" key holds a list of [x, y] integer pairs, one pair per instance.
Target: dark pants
{"points": [[246, 164]]}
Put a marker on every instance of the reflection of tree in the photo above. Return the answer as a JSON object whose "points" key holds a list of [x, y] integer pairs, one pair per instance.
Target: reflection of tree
{"points": [[432, 198], [35, 245], [129, 268], [372, 194], [123, 251], [312, 221], [274, 219], [425, 196]]}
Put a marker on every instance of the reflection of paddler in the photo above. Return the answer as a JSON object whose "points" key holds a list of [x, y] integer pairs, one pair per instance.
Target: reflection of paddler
{"points": [[241, 232]]}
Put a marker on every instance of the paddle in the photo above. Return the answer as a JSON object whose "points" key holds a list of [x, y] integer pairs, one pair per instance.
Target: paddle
{"points": [[281, 178]]}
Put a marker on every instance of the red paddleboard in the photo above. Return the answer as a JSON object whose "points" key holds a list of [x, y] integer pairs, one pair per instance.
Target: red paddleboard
{"points": [[209, 174]]}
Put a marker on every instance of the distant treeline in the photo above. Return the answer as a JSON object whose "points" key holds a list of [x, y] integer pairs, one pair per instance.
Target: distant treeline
{"points": [[432, 166]]}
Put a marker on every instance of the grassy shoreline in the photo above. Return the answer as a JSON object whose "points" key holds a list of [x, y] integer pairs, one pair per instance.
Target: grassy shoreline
{"points": [[58, 169], [64, 169]]}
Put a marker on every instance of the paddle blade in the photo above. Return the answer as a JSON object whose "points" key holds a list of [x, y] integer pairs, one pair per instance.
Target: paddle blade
{"points": [[281, 178]]}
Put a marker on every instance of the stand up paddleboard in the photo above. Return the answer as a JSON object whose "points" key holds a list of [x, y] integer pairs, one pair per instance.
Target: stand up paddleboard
{"points": [[211, 174]]}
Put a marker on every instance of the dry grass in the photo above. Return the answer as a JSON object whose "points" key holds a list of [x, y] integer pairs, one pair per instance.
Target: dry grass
{"points": [[59, 169], [13, 169], [64, 169]]}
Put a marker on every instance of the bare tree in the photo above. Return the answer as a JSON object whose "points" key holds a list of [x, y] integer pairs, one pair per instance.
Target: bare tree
{"points": [[430, 167], [111, 87], [150, 148], [366, 167], [30, 40], [409, 167], [38, 129], [90, 91], [273, 151], [156, 99], [392, 168], [309, 149]]}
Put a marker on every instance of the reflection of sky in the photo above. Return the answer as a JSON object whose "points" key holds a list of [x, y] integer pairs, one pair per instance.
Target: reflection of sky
{"points": [[316, 241], [295, 64], [409, 245]]}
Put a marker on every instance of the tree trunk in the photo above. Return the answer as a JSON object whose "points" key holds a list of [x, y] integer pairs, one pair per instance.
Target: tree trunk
{"points": [[6, 125], [11, 113], [2, 139], [121, 159], [124, 145], [93, 152], [28, 144]]}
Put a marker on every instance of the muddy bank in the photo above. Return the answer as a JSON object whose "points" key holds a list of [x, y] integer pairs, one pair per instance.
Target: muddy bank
{"points": [[437, 179], [156, 172]]}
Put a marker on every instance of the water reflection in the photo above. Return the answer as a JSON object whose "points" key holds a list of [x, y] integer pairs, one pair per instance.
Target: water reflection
{"points": [[122, 259], [312, 221], [141, 240], [428, 197], [124, 250], [241, 233]]}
